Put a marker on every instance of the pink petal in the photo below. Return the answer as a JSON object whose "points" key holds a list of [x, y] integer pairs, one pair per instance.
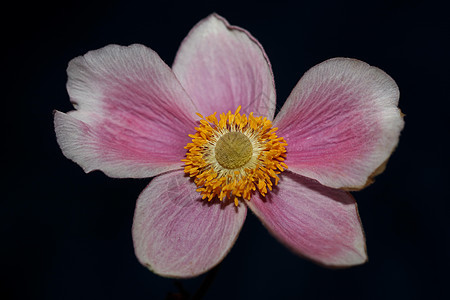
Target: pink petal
{"points": [[133, 117], [314, 221], [341, 122], [176, 234], [223, 66]]}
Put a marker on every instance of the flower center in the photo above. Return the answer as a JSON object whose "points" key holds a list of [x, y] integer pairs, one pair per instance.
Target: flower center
{"points": [[233, 150], [235, 155]]}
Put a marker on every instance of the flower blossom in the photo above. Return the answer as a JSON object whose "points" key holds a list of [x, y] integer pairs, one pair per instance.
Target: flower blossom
{"points": [[205, 129]]}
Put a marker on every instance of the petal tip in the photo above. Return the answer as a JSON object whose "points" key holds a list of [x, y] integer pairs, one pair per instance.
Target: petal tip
{"points": [[354, 257]]}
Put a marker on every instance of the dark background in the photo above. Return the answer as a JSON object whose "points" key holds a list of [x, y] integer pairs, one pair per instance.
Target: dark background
{"points": [[67, 235]]}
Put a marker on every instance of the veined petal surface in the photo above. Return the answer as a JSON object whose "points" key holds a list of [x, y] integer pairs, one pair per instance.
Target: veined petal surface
{"points": [[132, 116], [176, 234], [223, 66], [341, 123], [314, 221]]}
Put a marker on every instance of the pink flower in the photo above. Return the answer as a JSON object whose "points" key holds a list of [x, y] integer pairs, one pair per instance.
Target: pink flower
{"points": [[136, 117]]}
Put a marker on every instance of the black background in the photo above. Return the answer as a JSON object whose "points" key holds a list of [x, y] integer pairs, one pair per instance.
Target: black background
{"points": [[67, 235]]}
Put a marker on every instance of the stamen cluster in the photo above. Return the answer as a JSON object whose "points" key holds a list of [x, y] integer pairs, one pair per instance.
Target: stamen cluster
{"points": [[255, 166]]}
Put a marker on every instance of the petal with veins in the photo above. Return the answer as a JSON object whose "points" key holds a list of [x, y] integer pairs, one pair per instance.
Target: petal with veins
{"points": [[176, 234], [314, 221], [133, 117], [341, 123], [223, 66]]}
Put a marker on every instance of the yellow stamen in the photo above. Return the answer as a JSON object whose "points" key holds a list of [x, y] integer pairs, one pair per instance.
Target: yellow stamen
{"points": [[234, 155]]}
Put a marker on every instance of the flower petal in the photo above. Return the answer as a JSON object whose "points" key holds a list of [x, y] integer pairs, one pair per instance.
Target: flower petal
{"points": [[176, 234], [341, 122], [314, 221], [223, 66], [133, 117]]}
